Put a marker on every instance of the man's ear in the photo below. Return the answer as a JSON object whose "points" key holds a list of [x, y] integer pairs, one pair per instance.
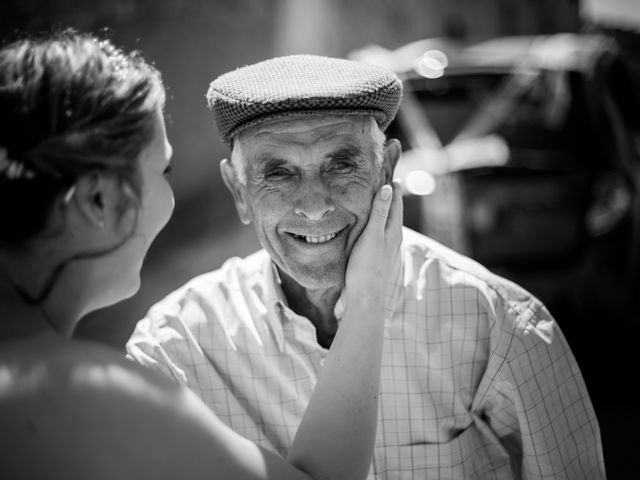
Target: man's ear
{"points": [[231, 180], [390, 157]]}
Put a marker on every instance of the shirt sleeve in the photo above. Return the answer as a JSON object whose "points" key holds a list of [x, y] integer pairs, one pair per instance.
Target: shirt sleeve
{"points": [[537, 402], [146, 347]]}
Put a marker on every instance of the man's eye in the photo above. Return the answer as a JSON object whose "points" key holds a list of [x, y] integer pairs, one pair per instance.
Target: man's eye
{"points": [[278, 174], [342, 165]]}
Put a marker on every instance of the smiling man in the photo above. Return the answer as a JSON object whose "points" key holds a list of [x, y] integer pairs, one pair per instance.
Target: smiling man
{"points": [[477, 381], [307, 185]]}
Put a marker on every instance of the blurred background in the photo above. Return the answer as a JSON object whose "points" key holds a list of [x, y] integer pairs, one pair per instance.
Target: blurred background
{"points": [[521, 135]]}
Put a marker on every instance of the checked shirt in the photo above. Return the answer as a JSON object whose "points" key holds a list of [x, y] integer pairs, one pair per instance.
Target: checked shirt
{"points": [[477, 380]]}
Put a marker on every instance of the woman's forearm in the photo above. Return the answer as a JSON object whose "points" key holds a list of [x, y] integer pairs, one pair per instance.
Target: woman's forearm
{"points": [[339, 425]]}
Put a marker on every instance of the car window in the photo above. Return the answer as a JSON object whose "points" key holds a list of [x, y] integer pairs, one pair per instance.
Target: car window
{"points": [[542, 115], [450, 102]]}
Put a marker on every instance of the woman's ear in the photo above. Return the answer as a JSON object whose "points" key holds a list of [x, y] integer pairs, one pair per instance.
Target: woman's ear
{"points": [[97, 197], [237, 189], [390, 156]]}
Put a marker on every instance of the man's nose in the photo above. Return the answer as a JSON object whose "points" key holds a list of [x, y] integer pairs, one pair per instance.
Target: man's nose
{"points": [[313, 201]]}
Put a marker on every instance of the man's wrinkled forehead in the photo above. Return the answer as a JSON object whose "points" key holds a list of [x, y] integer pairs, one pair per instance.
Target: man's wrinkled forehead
{"points": [[307, 130]]}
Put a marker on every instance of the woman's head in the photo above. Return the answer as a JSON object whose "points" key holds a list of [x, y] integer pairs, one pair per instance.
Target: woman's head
{"points": [[70, 105], [83, 163]]}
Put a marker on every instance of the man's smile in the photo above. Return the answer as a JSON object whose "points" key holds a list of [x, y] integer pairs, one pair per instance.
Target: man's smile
{"points": [[315, 239]]}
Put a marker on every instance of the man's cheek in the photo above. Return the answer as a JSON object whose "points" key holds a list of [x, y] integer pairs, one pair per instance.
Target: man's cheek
{"points": [[357, 229]]}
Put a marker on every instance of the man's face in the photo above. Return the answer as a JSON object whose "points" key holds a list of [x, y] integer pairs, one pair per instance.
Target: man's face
{"points": [[308, 190]]}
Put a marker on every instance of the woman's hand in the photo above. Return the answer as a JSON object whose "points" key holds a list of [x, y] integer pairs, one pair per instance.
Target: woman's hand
{"points": [[376, 255]]}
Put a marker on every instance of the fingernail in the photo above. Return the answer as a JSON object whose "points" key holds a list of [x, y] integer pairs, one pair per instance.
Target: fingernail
{"points": [[385, 192]]}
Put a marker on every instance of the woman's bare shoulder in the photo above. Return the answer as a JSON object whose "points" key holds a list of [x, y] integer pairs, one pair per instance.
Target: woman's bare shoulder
{"points": [[83, 410], [32, 370]]}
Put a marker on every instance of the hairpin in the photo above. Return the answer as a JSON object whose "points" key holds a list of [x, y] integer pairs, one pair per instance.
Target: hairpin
{"points": [[13, 169]]}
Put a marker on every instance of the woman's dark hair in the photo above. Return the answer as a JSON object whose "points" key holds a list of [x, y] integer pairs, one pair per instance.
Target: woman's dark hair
{"points": [[70, 104]]}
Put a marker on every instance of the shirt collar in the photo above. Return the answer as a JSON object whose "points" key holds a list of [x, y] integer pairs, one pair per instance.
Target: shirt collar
{"points": [[276, 300], [278, 307]]}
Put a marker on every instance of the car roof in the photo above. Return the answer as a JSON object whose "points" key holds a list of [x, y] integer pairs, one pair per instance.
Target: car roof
{"points": [[567, 51]]}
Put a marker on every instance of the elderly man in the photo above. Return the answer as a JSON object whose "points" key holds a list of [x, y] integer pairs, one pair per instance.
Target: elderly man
{"points": [[477, 380]]}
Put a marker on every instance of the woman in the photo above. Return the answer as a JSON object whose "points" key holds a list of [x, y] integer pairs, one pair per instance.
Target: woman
{"points": [[83, 192]]}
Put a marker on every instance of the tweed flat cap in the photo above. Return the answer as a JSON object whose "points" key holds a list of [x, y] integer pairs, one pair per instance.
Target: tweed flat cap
{"points": [[301, 85]]}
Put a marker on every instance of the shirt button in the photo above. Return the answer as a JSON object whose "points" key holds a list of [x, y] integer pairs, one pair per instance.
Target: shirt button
{"points": [[387, 327]]}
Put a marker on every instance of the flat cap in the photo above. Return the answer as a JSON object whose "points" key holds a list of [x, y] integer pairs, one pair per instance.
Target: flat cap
{"points": [[301, 85]]}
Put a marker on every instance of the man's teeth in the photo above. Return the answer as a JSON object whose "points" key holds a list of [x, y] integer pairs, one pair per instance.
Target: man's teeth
{"points": [[320, 239]]}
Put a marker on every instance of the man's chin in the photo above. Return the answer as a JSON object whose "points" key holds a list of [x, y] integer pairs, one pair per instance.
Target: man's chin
{"points": [[319, 278]]}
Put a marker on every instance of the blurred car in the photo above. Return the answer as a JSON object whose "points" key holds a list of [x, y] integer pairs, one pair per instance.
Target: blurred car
{"points": [[522, 152]]}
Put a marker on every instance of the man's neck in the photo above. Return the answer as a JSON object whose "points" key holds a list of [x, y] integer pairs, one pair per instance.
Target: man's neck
{"points": [[317, 305]]}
